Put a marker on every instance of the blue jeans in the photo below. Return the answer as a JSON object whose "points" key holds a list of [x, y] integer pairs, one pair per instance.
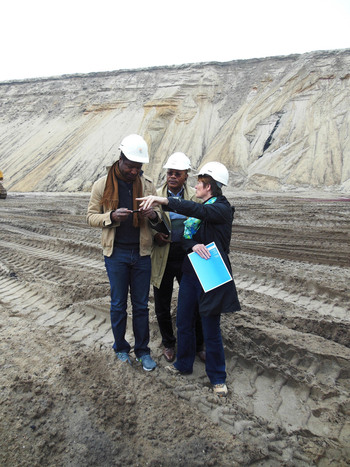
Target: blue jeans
{"points": [[126, 268], [189, 294]]}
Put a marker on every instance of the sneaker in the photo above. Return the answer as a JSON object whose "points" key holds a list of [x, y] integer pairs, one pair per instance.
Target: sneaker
{"points": [[220, 390], [123, 357], [148, 364]]}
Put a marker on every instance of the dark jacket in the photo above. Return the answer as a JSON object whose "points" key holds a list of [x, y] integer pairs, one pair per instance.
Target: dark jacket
{"points": [[216, 226], [160, 254]]}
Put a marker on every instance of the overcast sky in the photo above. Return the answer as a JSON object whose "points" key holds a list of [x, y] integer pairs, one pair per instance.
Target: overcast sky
{"points": [[48, 38]]}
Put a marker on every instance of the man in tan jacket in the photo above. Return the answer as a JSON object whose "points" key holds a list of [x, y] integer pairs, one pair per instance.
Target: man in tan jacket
{"points": [[126, 243], [167, 254]]}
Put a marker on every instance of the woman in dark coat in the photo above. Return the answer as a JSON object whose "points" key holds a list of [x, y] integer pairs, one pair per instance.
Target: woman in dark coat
{"points": [[210, 221]]}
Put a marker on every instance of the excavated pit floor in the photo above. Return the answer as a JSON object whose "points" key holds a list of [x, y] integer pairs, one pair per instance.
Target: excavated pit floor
{"points": [[66, 400]]}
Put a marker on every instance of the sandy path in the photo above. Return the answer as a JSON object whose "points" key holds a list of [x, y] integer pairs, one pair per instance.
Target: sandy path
{"points": [[67, 401]]}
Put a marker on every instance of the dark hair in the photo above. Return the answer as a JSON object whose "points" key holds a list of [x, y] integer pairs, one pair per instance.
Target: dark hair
{"points": [[208, 180]]}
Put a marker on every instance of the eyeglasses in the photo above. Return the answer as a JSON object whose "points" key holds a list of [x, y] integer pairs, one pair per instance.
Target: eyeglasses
{"points": [[170, 173]]}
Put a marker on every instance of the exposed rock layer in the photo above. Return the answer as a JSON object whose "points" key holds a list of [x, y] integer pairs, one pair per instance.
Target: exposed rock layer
{"points": [[277, 123]]}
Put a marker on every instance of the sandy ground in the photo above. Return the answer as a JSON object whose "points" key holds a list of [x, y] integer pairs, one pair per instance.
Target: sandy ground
{"points": [[67, 401]]}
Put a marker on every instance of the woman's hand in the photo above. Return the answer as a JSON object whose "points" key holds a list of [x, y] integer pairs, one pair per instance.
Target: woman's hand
{"points": [[151, 200], [201, 250]]}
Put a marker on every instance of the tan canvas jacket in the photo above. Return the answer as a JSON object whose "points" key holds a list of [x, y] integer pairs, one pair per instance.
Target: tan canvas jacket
{"points": [[97, 216], [160, 254]]}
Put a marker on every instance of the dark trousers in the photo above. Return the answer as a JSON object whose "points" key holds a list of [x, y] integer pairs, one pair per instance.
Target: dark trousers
{"points": [[162, 304], [190, 292]]}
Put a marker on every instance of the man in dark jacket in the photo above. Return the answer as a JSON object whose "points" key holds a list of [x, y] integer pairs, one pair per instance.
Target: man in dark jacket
{"points": [[168, 254]]}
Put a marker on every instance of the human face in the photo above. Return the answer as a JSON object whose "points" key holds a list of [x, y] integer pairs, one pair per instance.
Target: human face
{"points": [[175, 179], [202, 192], [129, 169]]}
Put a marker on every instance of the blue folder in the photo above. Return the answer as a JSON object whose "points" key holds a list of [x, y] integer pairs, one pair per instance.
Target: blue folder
{"points": [[211, 272]]}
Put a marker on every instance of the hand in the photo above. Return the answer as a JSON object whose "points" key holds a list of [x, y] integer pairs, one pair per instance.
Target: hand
{"points": [[151, 200], [161, 239], [202, 250], [120, 214], [150, 213]]}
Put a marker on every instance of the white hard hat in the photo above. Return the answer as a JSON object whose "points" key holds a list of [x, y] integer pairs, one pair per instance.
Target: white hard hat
{"points": [[216, 170], [134, 148], [178, 161]]}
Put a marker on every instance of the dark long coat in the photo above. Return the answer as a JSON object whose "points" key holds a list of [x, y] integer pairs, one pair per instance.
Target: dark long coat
{"points": [[216, 226]]}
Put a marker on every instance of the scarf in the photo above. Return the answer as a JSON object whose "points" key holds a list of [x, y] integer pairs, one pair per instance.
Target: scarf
{"points": [[110, 198], [192, 224]]}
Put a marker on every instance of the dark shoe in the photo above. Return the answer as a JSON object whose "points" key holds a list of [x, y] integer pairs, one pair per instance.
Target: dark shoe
{"points": [[201, 355], [169, 354]]}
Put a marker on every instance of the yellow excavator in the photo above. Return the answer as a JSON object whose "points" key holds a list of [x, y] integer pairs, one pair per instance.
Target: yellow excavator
{"points": [[3, 192]]}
